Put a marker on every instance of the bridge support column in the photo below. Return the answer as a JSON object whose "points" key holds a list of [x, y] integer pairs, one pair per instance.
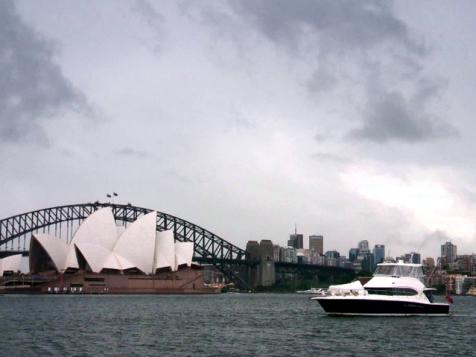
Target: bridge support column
{"points": [[263, 273], [267, 274]]}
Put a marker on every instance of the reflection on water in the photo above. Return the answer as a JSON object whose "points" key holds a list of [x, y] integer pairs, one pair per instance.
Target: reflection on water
{"points": [[227, 324]]}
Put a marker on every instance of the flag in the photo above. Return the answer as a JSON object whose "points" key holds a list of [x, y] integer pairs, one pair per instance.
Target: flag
{"points": [[115, 194], [108, 195]]}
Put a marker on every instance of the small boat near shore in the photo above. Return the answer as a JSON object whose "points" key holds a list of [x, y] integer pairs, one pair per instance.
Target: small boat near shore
{"points": [[396, 289], [314, 291], [471, 291]]}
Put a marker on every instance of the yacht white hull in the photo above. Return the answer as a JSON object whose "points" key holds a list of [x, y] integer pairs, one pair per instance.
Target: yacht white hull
{"points": [[375, 306]]}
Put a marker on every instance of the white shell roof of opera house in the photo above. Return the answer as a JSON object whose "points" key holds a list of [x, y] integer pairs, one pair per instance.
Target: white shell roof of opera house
{"points": [[107, 246]]}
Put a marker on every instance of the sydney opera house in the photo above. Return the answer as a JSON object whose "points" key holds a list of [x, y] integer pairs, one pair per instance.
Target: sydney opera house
{"points": [[105, 258]]}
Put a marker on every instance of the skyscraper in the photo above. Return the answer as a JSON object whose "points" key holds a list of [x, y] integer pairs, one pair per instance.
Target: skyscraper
{"points": [[364, 247], [296, 241], [379, 253], [353, 254], [316, 243], [368, 262], [412, 257], [448, 252]]}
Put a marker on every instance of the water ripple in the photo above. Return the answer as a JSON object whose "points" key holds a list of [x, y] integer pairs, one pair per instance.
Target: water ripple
{"points": [[218, 325]]}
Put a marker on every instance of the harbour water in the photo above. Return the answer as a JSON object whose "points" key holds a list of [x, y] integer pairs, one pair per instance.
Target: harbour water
{"points": [[220, 325]]}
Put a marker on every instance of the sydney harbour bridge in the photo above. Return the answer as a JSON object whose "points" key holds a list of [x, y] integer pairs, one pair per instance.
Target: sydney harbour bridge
{"points": [[231, 260]]}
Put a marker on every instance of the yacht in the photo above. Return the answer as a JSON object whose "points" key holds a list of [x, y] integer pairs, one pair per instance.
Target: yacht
{"points": [[395, 289]]}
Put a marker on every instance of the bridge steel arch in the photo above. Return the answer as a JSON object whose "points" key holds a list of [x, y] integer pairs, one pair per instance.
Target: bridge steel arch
{"points": [[208, 247]]}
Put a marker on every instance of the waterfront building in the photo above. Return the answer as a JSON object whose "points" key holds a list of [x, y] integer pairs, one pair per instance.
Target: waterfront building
{"points": [[459, 281], [313, 256], [97, 246], [348, 264], [282, 254], [105, 258], [357, 265], [473, 264], [462, 263], [448, 253], [429, 263], [449, 282], [332, 254], [468, 283], [290, 255], [277, 253], [342, 261], [437, 277], [316, 243], [454, 283], [303, 256], [379, 253], [321, 259], [213, 276]]}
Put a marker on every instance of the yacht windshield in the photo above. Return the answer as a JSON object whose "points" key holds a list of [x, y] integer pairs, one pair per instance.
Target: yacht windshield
{"points": [[400, 270]]}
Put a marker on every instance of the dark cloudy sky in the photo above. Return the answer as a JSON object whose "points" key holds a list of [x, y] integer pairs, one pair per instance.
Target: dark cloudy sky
{"points": [[352, 119]]}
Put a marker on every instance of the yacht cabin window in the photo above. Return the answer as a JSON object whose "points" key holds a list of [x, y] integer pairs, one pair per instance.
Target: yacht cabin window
{"points": [[400, 270], [392, 291]]}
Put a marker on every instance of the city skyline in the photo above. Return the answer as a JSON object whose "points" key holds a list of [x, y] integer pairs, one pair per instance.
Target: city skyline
{"points": [[246, 117], [371, 245], [364, 258]]}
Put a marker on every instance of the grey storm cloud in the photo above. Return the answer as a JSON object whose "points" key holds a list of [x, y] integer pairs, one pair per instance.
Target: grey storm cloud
{"points": [[438, 237], [355, 24], [369, 36], [391, 116], [154, 20], [32, 86]]}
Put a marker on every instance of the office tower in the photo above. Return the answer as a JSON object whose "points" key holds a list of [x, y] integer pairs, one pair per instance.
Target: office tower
{"points": [[368, 262], [353, 254], [296, 241], [448, 252], [416, 258], [316, 243], [364, 247], [379, 253]]}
